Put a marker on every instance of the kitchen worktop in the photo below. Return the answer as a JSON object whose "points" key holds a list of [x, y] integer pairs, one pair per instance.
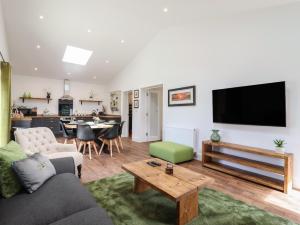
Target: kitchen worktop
{"points": [[107, 116]]}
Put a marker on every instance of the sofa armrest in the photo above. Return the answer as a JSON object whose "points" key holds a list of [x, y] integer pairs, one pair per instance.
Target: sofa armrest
{"points": [[63, 165]]}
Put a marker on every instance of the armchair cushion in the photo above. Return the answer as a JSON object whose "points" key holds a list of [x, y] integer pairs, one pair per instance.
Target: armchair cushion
{"points": [[58, 147]]}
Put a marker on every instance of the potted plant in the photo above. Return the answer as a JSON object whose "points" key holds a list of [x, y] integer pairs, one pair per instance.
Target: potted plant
{"points": [[92, 94], [279, 145]]}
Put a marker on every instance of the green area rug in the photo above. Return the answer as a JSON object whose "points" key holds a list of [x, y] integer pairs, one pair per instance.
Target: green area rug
{"points": [[152, 208]]}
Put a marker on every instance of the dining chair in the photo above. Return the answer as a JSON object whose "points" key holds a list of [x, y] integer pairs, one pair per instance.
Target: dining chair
{"points": [[120, 133], [86, 136], [69, 136], [110, 137]]}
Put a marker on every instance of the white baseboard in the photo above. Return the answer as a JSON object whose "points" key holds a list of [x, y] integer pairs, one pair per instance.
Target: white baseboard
{"points": [[296, 183], [139, 139]]}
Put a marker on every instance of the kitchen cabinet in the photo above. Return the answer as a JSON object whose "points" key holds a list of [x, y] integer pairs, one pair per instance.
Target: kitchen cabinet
{"points": [[50, 122]]}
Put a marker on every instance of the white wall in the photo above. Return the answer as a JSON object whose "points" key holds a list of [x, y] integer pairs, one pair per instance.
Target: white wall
{"points": [[38, 87], [3, 42], [252, 48]]}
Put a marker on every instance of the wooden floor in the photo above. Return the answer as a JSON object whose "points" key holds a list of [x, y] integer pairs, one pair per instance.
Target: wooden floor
{"points": [[287, 206]]}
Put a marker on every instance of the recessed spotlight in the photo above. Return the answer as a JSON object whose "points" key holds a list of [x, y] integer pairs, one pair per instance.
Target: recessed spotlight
{"points": [[35, 68], [165, 10], [69, 74], [41, 17], [76, 55], [94, 77], [38, 46], [107, 61], [122, 41], [89, 30]]}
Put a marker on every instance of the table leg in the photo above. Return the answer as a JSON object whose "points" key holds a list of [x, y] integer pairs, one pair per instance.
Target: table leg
{"points": [[140, 186], [187, 208]]}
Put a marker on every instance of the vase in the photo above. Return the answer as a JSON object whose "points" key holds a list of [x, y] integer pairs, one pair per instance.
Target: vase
{"points": [[215, 136], [280, 149]]}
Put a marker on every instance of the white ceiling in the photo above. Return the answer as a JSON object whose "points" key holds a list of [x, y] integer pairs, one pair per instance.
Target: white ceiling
{"points": [[66, 22]]}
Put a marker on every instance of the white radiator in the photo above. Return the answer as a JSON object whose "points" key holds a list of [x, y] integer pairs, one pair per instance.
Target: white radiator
{"points": [[186, 136]]}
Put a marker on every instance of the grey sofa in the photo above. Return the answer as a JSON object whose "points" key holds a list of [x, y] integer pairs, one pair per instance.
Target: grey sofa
{"points": [[62, 200]]}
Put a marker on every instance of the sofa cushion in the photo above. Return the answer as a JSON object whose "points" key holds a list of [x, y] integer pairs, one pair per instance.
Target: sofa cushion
{"points": [[9, 183], [171, 151], [60, 197], [92, 216], [34, 171]]}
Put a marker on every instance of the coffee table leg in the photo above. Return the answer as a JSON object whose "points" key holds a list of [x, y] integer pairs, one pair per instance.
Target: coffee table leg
{"points": [[139, 185], [187, 208]]}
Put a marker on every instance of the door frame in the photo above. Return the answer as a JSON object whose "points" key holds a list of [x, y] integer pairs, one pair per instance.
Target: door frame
{"points": [[125, 112], [160, 114]]}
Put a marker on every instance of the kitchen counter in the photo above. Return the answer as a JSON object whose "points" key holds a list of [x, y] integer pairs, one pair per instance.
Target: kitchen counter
{"points": [[53, 121], [28, 118], [110, 116]]}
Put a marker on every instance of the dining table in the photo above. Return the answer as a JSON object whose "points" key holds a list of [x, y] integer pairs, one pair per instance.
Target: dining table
{"points": [[94, 126], [98, 128]]}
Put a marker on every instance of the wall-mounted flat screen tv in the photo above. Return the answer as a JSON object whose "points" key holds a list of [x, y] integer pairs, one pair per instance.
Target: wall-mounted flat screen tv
{"points": [[262, 104]]}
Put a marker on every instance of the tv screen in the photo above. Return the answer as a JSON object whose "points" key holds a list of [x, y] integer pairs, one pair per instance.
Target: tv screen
{"points": [[262, 104]]}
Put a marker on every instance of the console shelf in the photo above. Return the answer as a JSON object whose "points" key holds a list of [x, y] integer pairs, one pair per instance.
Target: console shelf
{"points": [[254, 177], [210, 152]]}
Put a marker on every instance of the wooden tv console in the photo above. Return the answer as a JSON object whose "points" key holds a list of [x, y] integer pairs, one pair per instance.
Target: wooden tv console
{"points": [[210, 152]]}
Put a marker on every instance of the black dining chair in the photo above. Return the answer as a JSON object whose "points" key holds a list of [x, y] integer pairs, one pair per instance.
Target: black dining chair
{"points": [[120, 133], [68, 135], [86, 136], [109, 137]]}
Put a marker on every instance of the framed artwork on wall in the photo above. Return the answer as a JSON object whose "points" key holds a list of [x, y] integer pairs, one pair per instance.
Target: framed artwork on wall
{"points": [[136, 93], [185, 96], [136, 104]]}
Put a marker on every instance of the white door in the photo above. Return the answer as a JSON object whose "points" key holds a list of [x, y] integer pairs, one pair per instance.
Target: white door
{"points": [[153, 115]]}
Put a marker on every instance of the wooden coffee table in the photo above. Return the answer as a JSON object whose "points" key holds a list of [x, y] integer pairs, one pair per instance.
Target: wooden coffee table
{"points": [[181, 187]]}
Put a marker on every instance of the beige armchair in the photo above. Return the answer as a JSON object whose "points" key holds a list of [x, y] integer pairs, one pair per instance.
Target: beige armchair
{"points": [[42, 140]]}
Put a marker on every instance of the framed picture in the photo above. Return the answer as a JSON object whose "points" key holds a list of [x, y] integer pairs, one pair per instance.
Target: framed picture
{"points": [[136, 93], [136, 104], [184, 96]]}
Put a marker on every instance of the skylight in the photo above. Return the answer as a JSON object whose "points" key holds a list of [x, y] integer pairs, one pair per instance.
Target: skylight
{"points": [[77, 55]]}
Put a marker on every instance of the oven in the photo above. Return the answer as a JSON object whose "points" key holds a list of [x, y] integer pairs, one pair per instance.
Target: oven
{"points": [[65, 107]]}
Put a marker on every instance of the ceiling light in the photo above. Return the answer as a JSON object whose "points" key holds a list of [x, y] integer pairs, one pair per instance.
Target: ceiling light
{"points": [[94, 77], [76, 55], [166, 10], [122, 41], [35, 68], [89, 30], [38, 46], [107, 61], [69, 74], [41, 17]]}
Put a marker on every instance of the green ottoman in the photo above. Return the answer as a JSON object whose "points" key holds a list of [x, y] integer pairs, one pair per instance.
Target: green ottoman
{"points": [[171, 151]]}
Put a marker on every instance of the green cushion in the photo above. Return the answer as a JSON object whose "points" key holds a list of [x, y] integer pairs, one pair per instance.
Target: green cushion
{"points": [[171, 151], [9, 184]]}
